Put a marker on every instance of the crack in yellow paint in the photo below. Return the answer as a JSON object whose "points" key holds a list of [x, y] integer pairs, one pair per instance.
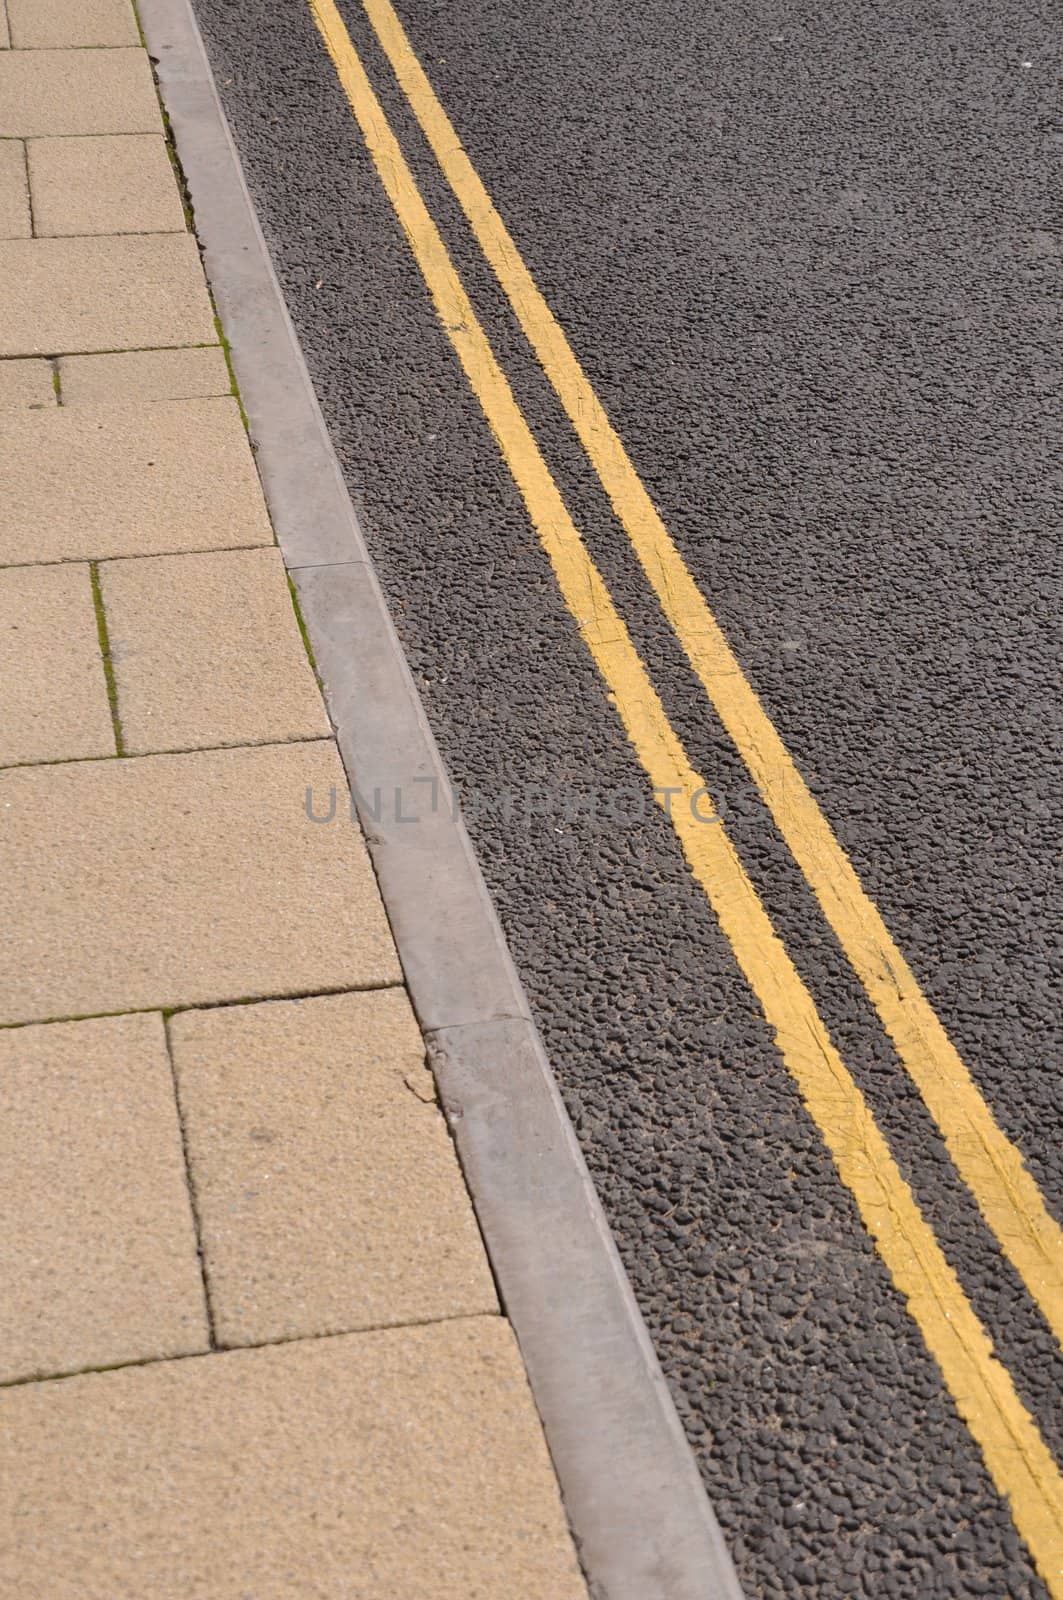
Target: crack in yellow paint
{"points": [[990, 1165], [982, 1389]]}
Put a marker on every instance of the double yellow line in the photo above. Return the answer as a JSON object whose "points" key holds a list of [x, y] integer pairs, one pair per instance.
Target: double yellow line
{"points": [[1017, 1458]]}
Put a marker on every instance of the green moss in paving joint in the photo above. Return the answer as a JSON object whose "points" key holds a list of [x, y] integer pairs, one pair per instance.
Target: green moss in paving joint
{"points": [[226, 351], [179, 177], [78, 1016], [303, 633], [105, 651]]}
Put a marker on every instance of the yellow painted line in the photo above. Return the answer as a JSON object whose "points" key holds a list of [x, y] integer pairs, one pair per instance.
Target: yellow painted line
{"points": [[989, 1163], [1015, 1454]]}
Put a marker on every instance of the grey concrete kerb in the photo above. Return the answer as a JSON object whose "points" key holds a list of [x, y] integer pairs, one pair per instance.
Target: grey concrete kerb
{"points": [[643, 1525]]}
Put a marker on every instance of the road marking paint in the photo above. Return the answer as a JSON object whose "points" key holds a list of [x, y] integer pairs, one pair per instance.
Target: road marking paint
{"points": [[1015, 1454], [990, 1165]]}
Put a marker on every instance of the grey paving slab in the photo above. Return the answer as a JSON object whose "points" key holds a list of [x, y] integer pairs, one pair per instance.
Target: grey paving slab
{"points": [[144, 375], [207, 651], [14, 193], [74, 295], [87, 481], [181, 880], [57, 24], [103, 184], [329, 1193], [53, 694], [98, 1248], [380, 1466], [76, 91]]}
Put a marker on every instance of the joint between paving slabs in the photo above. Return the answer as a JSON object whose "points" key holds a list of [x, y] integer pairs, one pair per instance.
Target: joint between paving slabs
{"points": [[452, 1112], [105, 652], [235, 1349], [133, 555], [164, 750], [205, 1005], [188, 209], [119, 350], [29, 188], [304, 634], [190, 1183]]}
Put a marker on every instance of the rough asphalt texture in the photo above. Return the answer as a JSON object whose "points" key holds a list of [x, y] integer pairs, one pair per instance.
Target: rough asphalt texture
{"points": [[811, 262]]}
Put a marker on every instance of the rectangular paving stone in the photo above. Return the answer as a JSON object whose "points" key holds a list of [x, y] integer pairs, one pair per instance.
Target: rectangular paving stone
{"points": [[98, 1248], [25, 385], [76, 91], [53, 693], [407, 1464], [78, 295], [14, 195], [179, 880], [207, 651], [5, 37], [114, 183], [53, 24], [86, 481], [144, 375], [330, 1197]]}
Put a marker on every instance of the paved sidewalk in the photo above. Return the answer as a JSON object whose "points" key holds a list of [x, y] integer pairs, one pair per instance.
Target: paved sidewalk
{"points": [[249, 1340]]}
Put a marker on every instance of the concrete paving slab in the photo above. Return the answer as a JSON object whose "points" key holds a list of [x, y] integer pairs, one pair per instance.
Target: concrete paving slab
{"points": [[103, 184], [378, 1466], [181, 880], [5, 36], [329, 1193], [55, 24], [128, 480], [78, 295], [144, 375], [25, 385], [14, 194], [76, 91], [207, 651], [53, 694], [98, 1248]]}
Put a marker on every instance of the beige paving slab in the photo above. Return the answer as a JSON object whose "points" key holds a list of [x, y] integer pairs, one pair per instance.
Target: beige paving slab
{"points": [[87, 481], [26, 384], [115, 183], [76, 91], [76, 295], [170, 880], [53, 24], [400, 1465], [53, 693], [5, 36], [144, 375], [14, 195], [207, 652], [329, 1193], [98, 1248]]}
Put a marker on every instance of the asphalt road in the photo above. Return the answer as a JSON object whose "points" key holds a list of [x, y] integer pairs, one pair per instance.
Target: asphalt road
{"points": [[810, 263]]}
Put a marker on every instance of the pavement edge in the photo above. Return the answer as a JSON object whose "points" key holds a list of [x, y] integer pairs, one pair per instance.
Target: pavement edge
{"points": [[643, 1525]]}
